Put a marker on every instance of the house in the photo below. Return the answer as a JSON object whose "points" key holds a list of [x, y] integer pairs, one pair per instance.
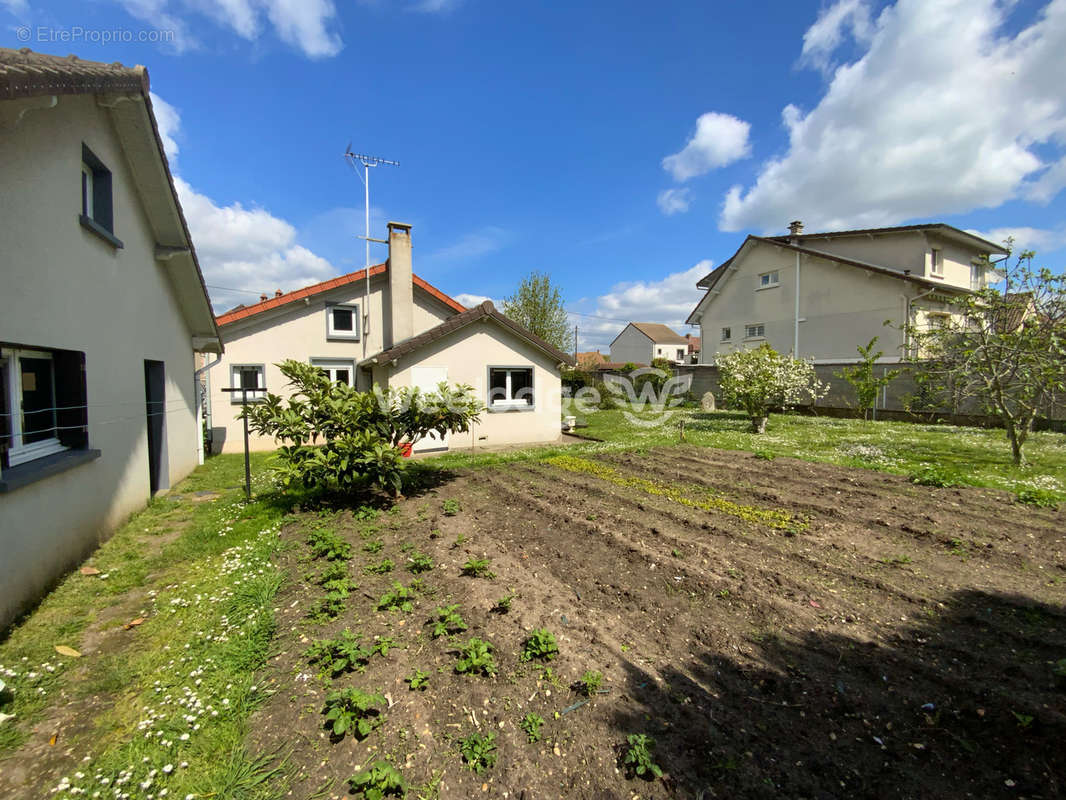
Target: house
{"points": [[387, 326], [693, 348], [102, 308], [590, 359], [821, 295], [642, 342]]}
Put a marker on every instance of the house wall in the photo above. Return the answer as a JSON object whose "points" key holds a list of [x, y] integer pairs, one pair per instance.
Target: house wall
{"points": [[631, 346], [65, 288], [468, 353], [841, 307], [298, 331]]}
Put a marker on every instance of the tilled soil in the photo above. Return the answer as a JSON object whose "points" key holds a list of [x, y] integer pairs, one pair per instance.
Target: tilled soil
{"points": [[898, 641]]}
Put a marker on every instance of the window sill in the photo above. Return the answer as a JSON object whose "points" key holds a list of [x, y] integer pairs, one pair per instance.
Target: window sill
{"points": [[501, 408], [754, 338], [40, 468], [771, 286], [92, 225], [339, 337]]}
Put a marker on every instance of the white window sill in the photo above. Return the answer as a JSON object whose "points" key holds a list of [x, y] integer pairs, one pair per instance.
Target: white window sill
{"points": [[510, 406], [771, 286]]}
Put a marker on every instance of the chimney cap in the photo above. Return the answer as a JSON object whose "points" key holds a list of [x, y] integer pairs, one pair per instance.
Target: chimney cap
{"points": [[262, 298], [278, 293], [403, 226], [795, 227]]}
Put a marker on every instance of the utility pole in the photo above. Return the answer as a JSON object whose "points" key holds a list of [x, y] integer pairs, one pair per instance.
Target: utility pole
{"points": [[575, 343]]}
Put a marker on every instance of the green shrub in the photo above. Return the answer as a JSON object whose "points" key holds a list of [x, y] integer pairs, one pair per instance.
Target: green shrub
{"points": [[476, 657], [378, 780], [479, 751], [539, 644], [531, 725], [447, 621], [637, 760], [353, 711], [1040, 498]]}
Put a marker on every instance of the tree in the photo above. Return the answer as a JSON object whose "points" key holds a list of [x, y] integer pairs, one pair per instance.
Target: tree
{"points": [[1001, 350], [538, 305], [333, 436], [759, 379], [862, 378]]}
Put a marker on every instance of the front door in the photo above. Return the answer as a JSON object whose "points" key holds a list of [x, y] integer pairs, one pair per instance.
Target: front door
{"points": [[426, 379], [156, 409]]}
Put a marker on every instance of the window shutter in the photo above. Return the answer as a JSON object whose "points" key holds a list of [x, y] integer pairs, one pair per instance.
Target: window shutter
{"points": [[70, 393]]}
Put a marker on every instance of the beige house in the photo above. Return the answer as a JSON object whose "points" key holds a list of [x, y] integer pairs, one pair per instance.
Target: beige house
{"points": [[642, 342], [391, 328], [821, 295], [101, 310]]}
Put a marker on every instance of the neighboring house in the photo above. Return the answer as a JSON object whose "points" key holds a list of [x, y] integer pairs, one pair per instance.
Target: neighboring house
{"points": [[391, 328], [849, 284], [591, 359], [101, 310], [693, 348], [642, 342]]}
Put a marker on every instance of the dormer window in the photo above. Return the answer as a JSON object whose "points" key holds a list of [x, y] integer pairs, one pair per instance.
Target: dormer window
{"points": [[342, 322], [936, 263]]}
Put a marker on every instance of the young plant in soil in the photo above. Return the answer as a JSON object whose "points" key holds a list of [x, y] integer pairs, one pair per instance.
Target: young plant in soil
{"points": [[378, 780], [381, 568], [399, 597], [373, 546], [419, 562], [334, 571], [637, 759], [418, 681], [353, 711], [530, 724], [539, 644], [503, 605], [479, 751], [450, 507], [476, 657], [590, 683], [383, 645], [328, 545], [448, 621], [345, 653], [478, 568]]}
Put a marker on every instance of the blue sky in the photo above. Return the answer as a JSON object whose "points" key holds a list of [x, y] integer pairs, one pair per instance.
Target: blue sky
{"points": [[624, 148]]}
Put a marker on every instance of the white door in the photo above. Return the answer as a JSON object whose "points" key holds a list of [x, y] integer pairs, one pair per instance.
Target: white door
{"points": [[426, 379]]}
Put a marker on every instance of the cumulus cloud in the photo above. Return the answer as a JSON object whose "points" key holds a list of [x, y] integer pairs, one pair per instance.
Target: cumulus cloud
{"points": [[307, 25], [828, 32], [669, 301], [168, 121], [912, 130], [719, 140], [471, 300], [17, 7], [673, 201], [1042, 240]]}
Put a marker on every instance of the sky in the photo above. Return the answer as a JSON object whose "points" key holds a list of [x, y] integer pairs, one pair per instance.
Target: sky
{"points": [[623, 148]]}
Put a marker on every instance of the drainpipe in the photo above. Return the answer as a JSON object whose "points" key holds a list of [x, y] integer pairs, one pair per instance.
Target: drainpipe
{"points": [[907, 302], [200, 407], [796, 323]]}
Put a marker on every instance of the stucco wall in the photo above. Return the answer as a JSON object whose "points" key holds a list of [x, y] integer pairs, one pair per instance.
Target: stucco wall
{"points": [[65, 288], [631, 346], [298, 331]]}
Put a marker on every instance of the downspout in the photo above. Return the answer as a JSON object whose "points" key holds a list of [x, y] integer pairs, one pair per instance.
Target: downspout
{"points": [[907, 303], [796, 322], [200, 407]]}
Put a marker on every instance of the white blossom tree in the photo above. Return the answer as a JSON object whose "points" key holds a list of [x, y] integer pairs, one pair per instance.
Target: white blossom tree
{"points": [[760, 379]]}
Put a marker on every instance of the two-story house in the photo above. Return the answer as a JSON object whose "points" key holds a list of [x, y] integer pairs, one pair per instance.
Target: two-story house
{"points": [[820, 295], [102, 307], [642, 342], [388, 326]]}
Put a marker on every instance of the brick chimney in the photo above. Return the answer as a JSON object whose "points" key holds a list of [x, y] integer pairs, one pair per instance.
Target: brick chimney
{"points": [[795, 228], [401, 291]]}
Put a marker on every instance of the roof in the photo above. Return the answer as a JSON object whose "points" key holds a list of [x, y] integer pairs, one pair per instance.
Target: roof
{"points": [[591, 357], [24, 74], [950, 230], [484, 311], [659, 333], [242, 312]]}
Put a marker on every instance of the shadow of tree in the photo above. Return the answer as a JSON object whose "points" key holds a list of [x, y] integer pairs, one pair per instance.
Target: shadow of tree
{"points": [[959, 703]]}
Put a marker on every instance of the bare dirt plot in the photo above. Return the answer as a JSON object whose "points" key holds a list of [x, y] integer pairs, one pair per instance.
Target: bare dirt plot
{"points": [[780, 628]]}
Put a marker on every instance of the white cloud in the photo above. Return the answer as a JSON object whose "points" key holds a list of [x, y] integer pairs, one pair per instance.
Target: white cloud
{"points": [[673, 201], [304, 24], [719, 140], [471, 300], [828, 31], [169, 122], [669, 300], [435, 7], [1041, 240], [479, 243], [912, 129], [17, 7]]}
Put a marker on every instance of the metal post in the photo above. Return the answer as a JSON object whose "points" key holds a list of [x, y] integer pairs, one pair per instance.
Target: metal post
{"points": [[247, 462]]}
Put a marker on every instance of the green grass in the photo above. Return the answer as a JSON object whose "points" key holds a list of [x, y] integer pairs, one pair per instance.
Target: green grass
{"points": [[207, 598], [972, 456]]}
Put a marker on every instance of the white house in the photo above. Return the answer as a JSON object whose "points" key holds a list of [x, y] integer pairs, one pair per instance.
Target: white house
{"points": [[392, 328], [101, 309], [821, 295], [641, 342]]}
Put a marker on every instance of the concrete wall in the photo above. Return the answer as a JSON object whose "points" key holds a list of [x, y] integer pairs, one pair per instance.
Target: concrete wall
{"points": [[65, 288], [468, 353], [298, 331], [631, 346]]}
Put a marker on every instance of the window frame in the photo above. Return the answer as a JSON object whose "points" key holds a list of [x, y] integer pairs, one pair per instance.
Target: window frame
{"points": [[330, 364], [936, 262], [97, 201], [760, 326], [353, 335], [727, 334], [773, 279], [254, 396], [17, 452], [510, 404]]}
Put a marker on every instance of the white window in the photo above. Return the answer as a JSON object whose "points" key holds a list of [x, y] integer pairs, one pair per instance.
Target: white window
{"points": [[510, 388], [936, 262], [755, 331], [248, 376], [342, 322], [680, 355], [87, 190], [727, 334], [977, 276], [768, 279], [339, 371], [40, 414]]}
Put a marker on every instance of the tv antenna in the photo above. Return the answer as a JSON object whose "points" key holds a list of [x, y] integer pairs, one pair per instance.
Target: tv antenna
{"points": [[367, 162]]}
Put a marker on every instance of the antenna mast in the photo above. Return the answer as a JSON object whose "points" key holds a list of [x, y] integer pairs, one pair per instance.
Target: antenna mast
{"points": [[367, 162]]}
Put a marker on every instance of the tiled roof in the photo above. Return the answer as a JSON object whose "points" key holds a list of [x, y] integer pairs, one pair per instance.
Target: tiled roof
{"points": [[659, 333], [242, 312], [485, 310], [933, 226], [24, 73], [591, 357]]}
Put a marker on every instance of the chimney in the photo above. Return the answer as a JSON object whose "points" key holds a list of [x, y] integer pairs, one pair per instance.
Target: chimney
{"points": [[277, 293], [262, 298], [795, 228], [401, 291]]}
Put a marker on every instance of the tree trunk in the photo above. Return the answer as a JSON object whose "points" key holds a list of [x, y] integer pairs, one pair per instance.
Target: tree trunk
{"points": [[758, 424]]}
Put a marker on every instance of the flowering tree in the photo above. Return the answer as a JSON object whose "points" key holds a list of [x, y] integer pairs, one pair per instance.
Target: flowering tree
{"points": [[759, 379], [334, 436]]}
